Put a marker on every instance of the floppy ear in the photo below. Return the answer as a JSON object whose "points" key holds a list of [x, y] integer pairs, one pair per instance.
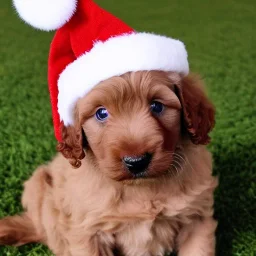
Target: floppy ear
{"points": [[198, 111], [73, 144]]}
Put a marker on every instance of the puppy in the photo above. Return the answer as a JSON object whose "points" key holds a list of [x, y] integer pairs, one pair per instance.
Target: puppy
{"points": [[143, 183]]}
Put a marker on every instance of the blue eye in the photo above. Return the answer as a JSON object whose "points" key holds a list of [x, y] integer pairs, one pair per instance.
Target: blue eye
{"points": [[156, 107], [101, 114]]}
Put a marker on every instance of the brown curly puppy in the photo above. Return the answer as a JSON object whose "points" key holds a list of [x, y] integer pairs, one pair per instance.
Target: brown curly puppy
{"points": [[143, 184]]}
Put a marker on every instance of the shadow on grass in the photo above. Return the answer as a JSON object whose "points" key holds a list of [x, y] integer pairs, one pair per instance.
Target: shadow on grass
{"points": [[234, 199]]}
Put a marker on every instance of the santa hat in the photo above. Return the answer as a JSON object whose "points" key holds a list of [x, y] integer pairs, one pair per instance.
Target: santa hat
{"points": [[90, 46]]}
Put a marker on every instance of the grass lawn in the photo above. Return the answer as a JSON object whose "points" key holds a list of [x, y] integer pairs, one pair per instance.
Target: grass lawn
{"points": [[220, 36]]}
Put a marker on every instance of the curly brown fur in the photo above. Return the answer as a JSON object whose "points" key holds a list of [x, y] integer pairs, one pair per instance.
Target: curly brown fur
{"points": [[72, 146], [101, 207], [73, 143], [198, 111]]}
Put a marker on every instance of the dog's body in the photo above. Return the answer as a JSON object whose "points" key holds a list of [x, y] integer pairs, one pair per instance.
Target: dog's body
{"points": [[100, 208]]}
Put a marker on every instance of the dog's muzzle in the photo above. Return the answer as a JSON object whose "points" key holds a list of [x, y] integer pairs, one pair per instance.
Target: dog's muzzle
{"points": [[137, 165]]}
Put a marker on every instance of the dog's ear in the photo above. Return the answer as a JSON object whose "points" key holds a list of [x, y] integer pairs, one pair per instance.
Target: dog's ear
{"points": [[198, 111], [73, 143]]}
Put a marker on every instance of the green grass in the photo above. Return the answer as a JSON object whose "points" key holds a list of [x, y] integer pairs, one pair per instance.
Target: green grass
{"points": [[220, 37]]}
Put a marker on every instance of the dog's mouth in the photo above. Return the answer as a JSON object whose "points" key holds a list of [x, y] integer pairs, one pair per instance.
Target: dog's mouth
{"points": [[141, 175]]}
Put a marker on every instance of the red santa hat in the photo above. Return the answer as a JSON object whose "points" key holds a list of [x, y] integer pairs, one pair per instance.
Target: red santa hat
{"points": [[90, 46]]}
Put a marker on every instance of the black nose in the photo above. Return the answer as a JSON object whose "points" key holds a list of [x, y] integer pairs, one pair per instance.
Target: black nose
{"points": [[137, 164]]}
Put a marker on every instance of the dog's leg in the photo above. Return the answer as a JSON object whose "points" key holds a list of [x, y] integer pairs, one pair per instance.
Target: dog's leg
{"points": [[17, 231], [198, 238]]}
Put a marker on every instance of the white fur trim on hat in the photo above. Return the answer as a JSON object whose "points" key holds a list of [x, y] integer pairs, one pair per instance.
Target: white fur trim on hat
{"points": [[45, 14], [116, 56]]}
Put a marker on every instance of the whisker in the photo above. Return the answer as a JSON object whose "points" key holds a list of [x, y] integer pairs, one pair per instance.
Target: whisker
{"points": [[189, 164], [179, 156], [186, 161], [181, 167], [176, 175]]}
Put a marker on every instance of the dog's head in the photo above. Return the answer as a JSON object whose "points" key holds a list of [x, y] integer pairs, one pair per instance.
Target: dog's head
{"points": [[132, 124]]}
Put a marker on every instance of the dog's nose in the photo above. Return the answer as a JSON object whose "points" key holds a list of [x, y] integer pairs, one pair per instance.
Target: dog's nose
{"points": [[137, 164]]}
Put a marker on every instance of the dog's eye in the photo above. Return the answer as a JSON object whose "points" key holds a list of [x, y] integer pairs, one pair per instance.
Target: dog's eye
{"points": [[101, 114], [156, 107]]}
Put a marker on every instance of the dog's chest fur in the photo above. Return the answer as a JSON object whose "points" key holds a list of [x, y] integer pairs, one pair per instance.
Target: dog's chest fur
{"points": [[152, 231], [151, 225]]}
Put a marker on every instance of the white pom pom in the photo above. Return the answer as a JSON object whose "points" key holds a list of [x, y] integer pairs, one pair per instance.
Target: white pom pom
{"points": [[46, 14]]}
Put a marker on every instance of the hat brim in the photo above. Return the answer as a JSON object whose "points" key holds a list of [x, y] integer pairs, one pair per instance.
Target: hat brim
{"points": [[114, 57]]}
